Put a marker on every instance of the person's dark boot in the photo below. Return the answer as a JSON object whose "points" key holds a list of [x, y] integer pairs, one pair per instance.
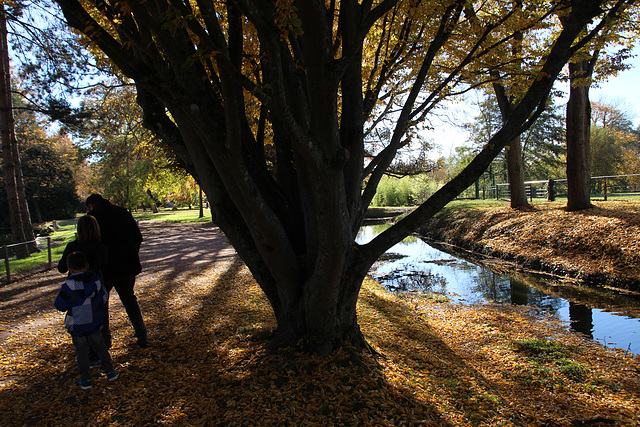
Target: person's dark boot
{"points": [[143, 342]]}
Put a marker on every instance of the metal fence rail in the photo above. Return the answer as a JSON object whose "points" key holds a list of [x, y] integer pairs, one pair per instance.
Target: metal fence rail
{"points": [[10, 253], [601, 186]]}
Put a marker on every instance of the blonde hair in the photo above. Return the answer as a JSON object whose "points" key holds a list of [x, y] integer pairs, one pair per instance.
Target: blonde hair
{"points": [[88, 229]]}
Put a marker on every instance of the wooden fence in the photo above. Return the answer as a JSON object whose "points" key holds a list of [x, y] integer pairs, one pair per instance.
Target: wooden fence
{"points": [[601, 186]]}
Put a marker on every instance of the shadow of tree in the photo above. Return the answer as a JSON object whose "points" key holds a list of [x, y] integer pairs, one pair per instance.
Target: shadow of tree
{"points": [[629, 217], [206, 365], [430, 368]]}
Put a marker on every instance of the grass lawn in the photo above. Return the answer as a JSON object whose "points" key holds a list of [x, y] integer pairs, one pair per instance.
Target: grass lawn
{"points": [[179, 215], [40, 260]]}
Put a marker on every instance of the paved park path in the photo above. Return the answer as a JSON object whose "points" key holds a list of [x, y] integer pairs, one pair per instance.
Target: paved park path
{"points": [[168, 250]]}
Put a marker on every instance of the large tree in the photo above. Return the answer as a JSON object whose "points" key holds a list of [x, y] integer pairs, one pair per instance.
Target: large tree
{"points": [[602, 58], [123, 149], [266, 101], [33, 50], [130, 166], [14, 183]]}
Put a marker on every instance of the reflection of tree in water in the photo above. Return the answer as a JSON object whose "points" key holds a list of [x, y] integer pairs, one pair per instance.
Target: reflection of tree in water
{"points": [[581, 318], [476, 280], [500, 288], [401, 280]]}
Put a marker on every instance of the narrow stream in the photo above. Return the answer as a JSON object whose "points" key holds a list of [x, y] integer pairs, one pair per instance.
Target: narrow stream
{"points": [[413, 265]]}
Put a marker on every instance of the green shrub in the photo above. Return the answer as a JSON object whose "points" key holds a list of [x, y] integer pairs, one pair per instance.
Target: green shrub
{"points": [[397, 192]]}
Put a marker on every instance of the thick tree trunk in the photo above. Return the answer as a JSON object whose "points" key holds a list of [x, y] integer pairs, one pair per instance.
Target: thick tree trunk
{"points": [[323, 318], [17, 229], [5, 126], [578, 139]]}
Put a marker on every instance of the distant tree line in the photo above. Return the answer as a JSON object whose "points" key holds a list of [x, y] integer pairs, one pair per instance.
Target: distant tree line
{"points": [[615, 150], [52, 168]]}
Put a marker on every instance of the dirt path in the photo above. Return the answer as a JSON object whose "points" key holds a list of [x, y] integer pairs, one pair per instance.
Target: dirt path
{"points": [[168, 250]]}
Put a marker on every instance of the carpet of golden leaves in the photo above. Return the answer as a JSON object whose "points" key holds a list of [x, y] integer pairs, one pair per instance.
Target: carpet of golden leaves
{"points": [[439, 364]]}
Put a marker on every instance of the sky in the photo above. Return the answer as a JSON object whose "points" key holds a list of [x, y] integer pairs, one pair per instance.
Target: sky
{"points": [[623, 88]]}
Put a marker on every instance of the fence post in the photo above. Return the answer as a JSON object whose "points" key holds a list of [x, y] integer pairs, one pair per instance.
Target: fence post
{"points": [[6, 263], [49, 249], [604, 188]]}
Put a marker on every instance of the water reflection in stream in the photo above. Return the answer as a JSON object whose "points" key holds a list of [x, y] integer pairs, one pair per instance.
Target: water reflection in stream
{"points": [[413, 265]]}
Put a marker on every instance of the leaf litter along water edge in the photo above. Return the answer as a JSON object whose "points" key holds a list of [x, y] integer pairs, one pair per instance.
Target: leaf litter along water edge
{"points": [[439, 364]]}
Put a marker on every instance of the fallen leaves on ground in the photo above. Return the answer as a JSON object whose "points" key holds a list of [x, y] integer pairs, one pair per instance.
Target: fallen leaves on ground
{"points": [[437, 363]]}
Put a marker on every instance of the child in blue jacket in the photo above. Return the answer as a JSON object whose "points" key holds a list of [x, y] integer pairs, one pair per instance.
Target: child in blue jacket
{"points": [[83, 297]]}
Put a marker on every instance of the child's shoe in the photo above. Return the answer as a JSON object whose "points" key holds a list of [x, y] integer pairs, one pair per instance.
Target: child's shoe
{"points": [[84, 384], [113, 375]]}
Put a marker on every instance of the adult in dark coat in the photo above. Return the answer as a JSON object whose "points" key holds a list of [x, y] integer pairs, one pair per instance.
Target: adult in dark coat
{"points": [[120, 233]]}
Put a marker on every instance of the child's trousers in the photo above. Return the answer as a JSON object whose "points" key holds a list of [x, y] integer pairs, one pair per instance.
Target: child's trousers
{"points": [[82, 345]]}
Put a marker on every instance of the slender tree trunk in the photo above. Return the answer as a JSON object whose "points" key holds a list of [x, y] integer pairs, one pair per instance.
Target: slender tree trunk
{"points": [[515, 172], [37, 214], [515, 162], [22, 197], [578, 139], [18, 209], [154, 208]]}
